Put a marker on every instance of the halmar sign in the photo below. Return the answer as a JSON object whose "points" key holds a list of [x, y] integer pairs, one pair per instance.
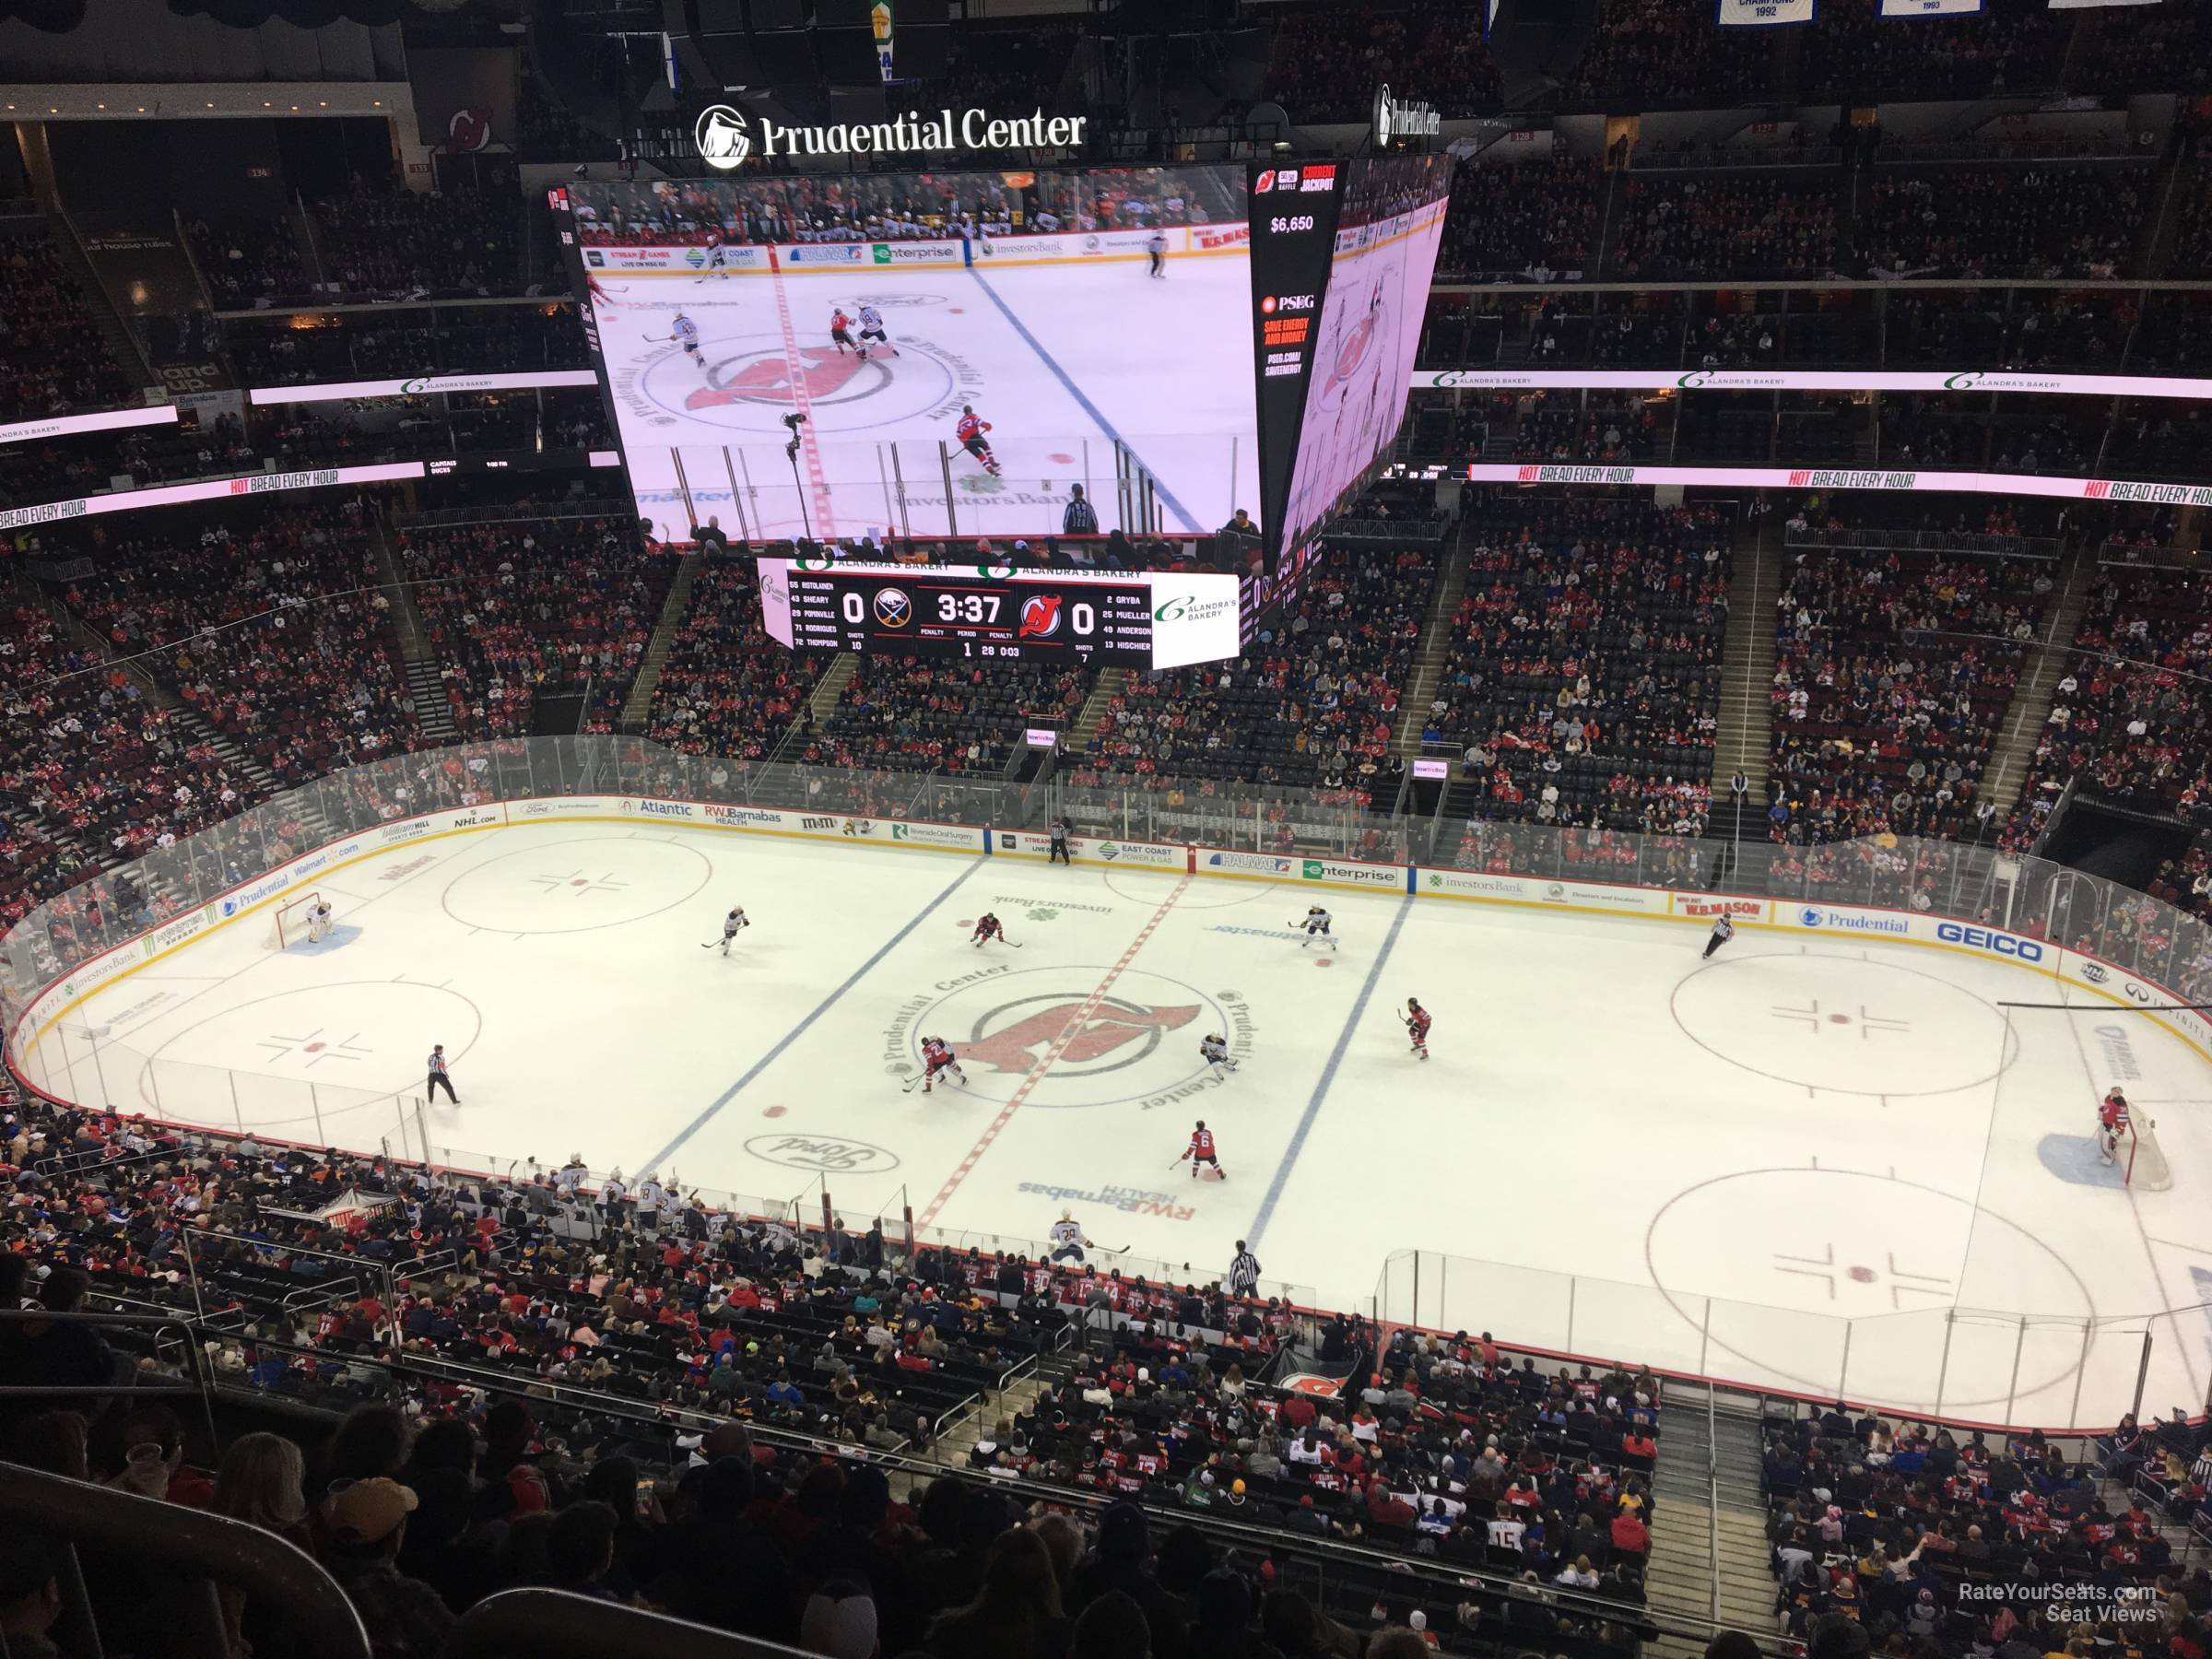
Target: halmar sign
{"points": [[725, 136], [1398, 120]]}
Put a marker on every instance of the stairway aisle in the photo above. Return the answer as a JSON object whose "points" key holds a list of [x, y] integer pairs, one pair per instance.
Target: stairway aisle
{"points": [[2005, 777], [1434, 647], [426, 685], [673, 611], [1078, 738], [1748, 663], [1709, 1558]]}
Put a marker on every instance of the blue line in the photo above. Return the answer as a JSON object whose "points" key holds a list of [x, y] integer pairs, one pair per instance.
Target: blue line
{"points": [[1328, 1074], [799, 1030], [1082, 402]]}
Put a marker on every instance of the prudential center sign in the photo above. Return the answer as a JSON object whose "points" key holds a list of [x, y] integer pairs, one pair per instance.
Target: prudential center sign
{"points": [[725, 136]]}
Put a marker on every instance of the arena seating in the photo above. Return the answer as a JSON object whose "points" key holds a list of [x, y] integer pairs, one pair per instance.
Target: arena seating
{"points": [[727, 687], [1924, 1532], [517, 612], [1521, 220], [449, 340], [1757, 225], [408, 244], [1893, 670], [2043, 221], [1583, 678], [946, 714], [1327, 58], [273, 627], [669, 1347], [1312, 709], [1649, 53], [250, 263], [53, 358]]}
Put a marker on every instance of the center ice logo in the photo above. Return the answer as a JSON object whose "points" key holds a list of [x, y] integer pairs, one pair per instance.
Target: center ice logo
{"points": [[824, 371], [1100, 1034]]}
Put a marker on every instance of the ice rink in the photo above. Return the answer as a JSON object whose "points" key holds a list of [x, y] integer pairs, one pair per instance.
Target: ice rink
{"points": [[1829, 1129], [1071, 365]]}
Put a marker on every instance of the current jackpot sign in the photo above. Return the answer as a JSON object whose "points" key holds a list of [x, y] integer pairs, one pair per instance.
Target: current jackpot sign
{"points": [[995, 613]]}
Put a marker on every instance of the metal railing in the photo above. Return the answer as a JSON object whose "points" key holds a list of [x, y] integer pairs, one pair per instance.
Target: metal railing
{"points": [[553, 1624], [207, 1549], [1876, 538]]}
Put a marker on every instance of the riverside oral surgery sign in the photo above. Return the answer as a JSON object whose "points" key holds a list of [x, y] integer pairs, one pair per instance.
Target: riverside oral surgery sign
{"points": [[724, 135]]}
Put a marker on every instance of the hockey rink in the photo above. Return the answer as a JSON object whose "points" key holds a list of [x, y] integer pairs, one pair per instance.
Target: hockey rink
{"points": [[1838, 1138], [1071, 399]]}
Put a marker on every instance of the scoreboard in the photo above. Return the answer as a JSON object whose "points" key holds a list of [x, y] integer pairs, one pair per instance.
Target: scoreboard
{"points": [[994, 612]]}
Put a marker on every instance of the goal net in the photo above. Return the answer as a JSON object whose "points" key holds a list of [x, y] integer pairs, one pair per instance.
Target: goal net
{"points": [[288, 922], [2062, 1057]]}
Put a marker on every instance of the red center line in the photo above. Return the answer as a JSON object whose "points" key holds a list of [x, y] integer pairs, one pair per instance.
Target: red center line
{"points": [[1057, 1047], [809, 446]]}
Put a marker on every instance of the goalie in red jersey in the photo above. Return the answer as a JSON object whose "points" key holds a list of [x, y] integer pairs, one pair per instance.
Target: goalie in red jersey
{"points": [[971, 434]]}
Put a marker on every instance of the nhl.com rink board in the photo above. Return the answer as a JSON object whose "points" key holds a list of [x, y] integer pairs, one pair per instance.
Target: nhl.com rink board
{"points": [[1829, 1133]]}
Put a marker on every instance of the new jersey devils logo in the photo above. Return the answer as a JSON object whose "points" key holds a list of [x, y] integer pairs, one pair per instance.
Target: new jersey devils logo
{"points": [[1100, 1042], [1040, 616], [769, 380]]}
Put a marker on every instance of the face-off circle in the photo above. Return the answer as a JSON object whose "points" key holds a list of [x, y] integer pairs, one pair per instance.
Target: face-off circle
{"points": [[1844, 1024], [1821, 1274], [576, 886], [1138, 1041], [751, 383]]}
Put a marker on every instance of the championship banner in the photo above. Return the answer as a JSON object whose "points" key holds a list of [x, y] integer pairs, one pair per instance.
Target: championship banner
{"points": [[1490, 16], [1762, 14], [1932, 8]]}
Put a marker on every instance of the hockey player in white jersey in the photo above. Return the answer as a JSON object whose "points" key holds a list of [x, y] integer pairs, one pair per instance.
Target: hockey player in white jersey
{"points": [[320, 920], [1069, 1242], [732, 926], [1215, 1051], [1317, 927], [687, 336], [871, 328]]}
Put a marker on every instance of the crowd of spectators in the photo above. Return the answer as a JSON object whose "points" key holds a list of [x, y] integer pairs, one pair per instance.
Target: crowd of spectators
{"points": [[1675, 227], [1582, 683], [250, 263], [2003, 221], [406, 244], [1529, 221], [516, 612], [562, 1381], [1645, 53], [1599, 427], [2193, 247], [1893, 671], [1312, 708], [384, 344], [949, 714], [2001, 49], [274, 628], [1937, 1542], [2128, 715], [1326, 60], [727, 688], [54, 357]]}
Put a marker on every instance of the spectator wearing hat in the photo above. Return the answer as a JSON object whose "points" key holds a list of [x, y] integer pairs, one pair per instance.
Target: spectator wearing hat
{"points": [[840, 1621], [367, 1523]]}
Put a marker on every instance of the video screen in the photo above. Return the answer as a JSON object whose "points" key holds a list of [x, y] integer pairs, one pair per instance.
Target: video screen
{"points": [[1387, 233], [952, 353]]}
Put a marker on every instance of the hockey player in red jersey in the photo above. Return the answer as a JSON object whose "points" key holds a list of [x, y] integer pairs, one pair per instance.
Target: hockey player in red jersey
{"points": [[1417, 1025], [1201, 1151], [840, 331], [987, 928], [971, 434], [938, 1057], [2112, 1125]]}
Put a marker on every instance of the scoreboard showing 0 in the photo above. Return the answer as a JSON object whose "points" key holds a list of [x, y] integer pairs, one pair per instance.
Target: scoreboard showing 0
{"points": [[990, 613]]}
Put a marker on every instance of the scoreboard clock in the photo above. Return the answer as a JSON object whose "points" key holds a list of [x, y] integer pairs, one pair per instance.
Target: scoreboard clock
{"points": [[993, 612]]}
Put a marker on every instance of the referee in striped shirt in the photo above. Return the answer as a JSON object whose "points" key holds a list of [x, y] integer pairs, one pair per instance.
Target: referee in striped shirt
{"points": [[1244, 1272]]}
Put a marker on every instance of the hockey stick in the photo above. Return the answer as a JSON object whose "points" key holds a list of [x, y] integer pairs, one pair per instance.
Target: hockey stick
{"points": [[710, 944], [912, 1081]]}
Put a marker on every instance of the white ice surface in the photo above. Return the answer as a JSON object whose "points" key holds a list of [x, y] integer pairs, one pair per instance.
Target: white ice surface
{"points": [[1062, 361], [1818, 1128]]}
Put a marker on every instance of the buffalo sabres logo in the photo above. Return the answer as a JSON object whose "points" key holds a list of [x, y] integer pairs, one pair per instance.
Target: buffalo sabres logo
{"points": [[893, 609]]}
